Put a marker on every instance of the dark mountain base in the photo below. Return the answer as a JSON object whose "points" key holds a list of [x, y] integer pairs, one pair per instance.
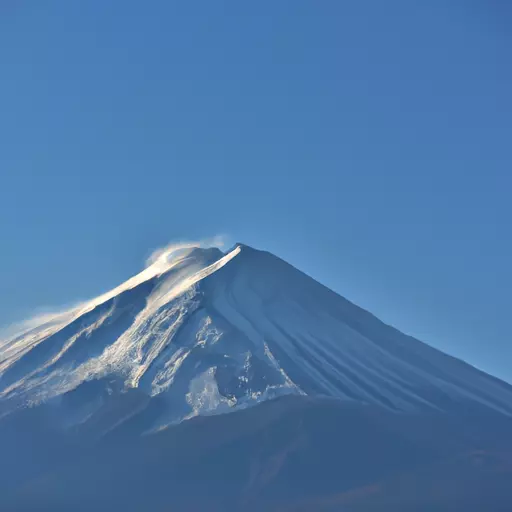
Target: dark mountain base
{"points": [[290, 454]]}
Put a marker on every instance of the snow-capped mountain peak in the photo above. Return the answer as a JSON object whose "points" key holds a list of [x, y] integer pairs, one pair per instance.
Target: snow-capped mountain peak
{"points": [[200, 332]]}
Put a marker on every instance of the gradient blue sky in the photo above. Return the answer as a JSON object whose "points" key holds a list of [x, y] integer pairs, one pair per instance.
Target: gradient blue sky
{"points": [[368, 143]]}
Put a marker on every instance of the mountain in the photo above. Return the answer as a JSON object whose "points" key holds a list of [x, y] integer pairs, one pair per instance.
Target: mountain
{"points": [[331, 408]]}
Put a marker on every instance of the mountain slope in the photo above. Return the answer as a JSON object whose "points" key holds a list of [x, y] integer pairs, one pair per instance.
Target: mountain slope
{"points": [[289, 454], [117, 404]]}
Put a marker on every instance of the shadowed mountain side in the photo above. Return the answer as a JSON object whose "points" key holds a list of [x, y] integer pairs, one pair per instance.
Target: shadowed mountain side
{"points": [[292, 453], [472, 481]]}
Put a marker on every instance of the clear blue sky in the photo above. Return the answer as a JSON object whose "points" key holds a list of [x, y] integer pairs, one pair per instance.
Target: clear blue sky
{"points": [[367, 143]]}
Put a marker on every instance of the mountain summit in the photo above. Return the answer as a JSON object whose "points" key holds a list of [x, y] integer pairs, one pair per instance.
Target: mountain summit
{"points": [[202, 332]]}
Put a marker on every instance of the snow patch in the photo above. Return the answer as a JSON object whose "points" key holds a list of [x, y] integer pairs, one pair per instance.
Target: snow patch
{"points": [[204, 397]]}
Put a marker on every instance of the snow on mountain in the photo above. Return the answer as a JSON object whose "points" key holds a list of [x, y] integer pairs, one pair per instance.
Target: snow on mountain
{"points": [[205, 332]]}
